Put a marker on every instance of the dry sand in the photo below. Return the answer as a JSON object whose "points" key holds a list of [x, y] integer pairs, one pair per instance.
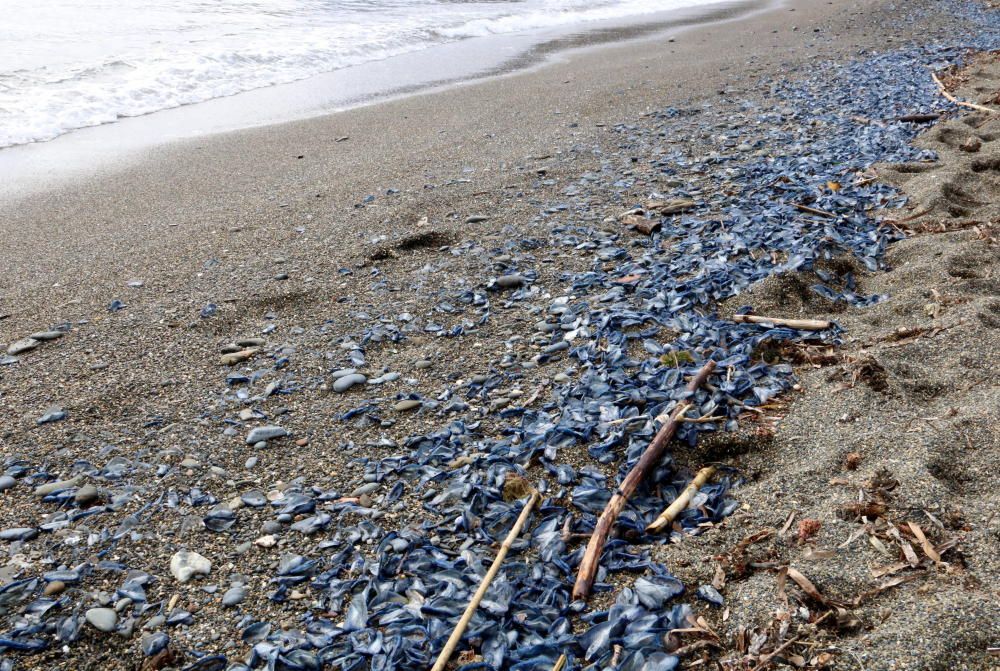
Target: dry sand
{"points": [[219, 218]]}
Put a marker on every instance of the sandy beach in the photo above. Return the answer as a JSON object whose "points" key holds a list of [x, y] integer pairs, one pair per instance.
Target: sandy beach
{"points": [[373, 240]]}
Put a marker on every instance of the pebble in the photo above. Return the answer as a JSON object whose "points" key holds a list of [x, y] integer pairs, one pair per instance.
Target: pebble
{"points": [[22, 346], [346, 382], [186, 564], [251, 342], [510, 281], [47, 335], [382, 379], [53, 588], [423, 363], [476, 219], [57, 486], [234, 358], [102, 619], [264, 433], [7, 482], [407, 404], [250, 463], [86, 495]]}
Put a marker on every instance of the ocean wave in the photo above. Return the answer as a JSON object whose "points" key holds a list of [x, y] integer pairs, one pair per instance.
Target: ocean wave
{"points": [[181, 52]]}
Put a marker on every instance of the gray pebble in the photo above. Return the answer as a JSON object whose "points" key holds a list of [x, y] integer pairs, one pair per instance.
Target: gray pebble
{"points": [[86, 495], [102, 619], [348, 381], [47, 335], [510, 281], [23, 345], [6, 482], [263, 433]]}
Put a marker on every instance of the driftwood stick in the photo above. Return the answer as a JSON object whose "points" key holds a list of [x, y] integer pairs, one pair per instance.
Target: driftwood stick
{"points": [[470, 610], [813, 210], [919, 118], [666, 518], [955, 100], [801, 324], [560, 663], [646, 463]]}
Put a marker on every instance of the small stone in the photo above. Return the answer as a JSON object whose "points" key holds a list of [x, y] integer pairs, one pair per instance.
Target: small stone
{"points": [[346, 382], [22, 346], [423, 363], [47, 335], [476, 219], [102, 619], [267, 541], [57, 486], [7, 482], [234, 358], [190, 463], [264, 433], [407, 404], [86, 495], [53, 588], [186, 564], [251, 342], [510, 281]]}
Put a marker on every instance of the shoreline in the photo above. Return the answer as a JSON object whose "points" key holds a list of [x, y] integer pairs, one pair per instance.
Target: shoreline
{"points": [[384, 253], [40, 166]]}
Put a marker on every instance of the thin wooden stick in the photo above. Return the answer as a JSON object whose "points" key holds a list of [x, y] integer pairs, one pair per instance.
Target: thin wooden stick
{"points": [[666, 518], [955, 100], [647, 462], [470, 610], [813, 210], [560, 663], [801, 324]]}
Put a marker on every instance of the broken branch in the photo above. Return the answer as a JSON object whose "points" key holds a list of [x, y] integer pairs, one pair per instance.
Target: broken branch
{"points": [[800, 324], [646, 463], [470, 610], [956, 101], [666, 518]]}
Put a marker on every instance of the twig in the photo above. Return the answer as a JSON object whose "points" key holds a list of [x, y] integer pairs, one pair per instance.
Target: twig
{"points": [[771, 655], [813, 210], [919, 118], [801, 324], [666, 518], [560, 663], [470, 610], [646, 463], [955, 100]]}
